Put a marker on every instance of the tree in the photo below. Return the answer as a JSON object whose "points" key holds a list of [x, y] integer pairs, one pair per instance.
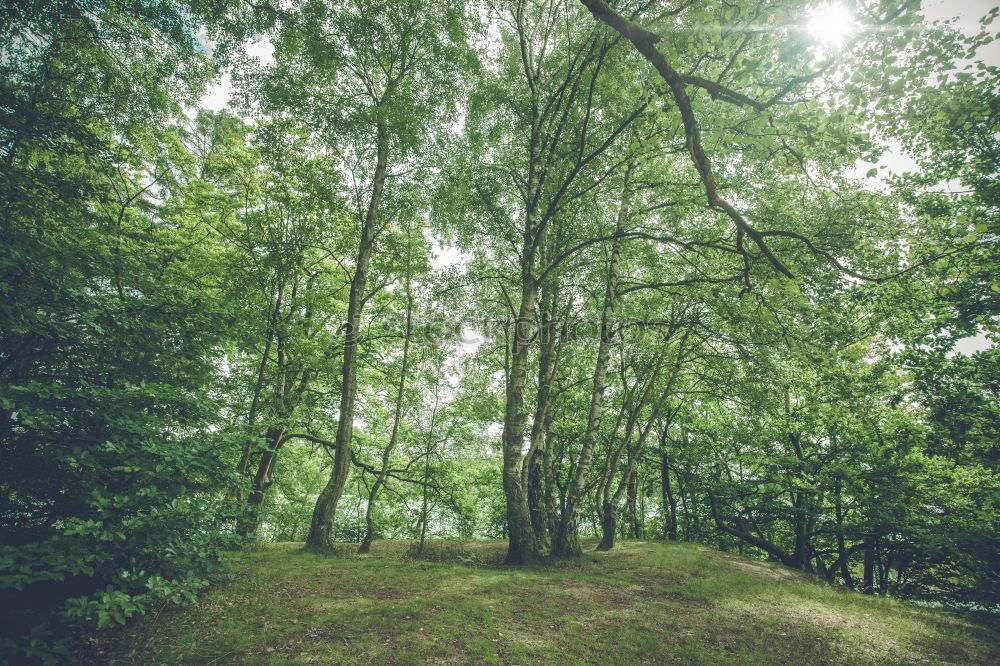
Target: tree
{"points": [[393, 65], [110, 324]]}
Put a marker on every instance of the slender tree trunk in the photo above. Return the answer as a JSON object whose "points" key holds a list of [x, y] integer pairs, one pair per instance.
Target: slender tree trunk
{"points": [[668, 501], [610, 501], [567, 542], [274, 440], [883, 575], [272, 321], [800, 554], [423, 504], [633, 450], [801, 504], [427, 469], [684, 506], [536, 502], [549, 482], [326, 504], [842, 557], [366, 543], [645, 492], [631, 511], [533, 460]]}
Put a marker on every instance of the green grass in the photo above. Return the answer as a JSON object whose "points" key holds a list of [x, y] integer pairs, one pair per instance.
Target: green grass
{"points": [[644, 602]]}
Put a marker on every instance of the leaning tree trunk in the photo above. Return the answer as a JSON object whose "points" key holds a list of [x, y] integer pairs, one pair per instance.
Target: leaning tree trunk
{"points": [[287, 398], [326, 505], [262, 480], [635, 451], [842, 556]]}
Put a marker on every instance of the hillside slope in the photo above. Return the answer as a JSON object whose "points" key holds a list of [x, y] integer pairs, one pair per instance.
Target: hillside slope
{"points": [[644, 602]]}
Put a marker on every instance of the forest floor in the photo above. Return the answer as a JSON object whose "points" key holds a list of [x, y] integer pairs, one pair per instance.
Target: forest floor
{"points": [[643, 602]]}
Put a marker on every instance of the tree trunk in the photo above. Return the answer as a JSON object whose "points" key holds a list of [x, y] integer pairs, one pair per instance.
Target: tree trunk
{"points": [[366, 543], [326, 503], [686, 536], [743, 531], [427, 468], [633, 450], [536, 502], [800, 554], [262, 480], [522, 547], [630, 506], [244, 462], [801, 503], [842, 555], [868, 577], [668, 501], [609, 525], [549, 482], [567, 542], [533, 474]]}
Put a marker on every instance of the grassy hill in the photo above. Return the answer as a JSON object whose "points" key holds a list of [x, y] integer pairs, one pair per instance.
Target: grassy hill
{"points": [[644, 602]]}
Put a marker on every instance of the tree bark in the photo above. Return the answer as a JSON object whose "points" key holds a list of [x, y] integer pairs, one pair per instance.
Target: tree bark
{"points": [[262, 480], [842, 555], [567, 542], [742, 531], [244, 462], [366, 543], [668, 501], [549, 481], [427, 468], [533, 460], [631, 511], [868, 576], [326, 504], [609, 524], [522, 546], [536, 502]]}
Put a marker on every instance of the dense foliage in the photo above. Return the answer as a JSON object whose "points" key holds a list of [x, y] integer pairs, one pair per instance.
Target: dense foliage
{"points": [[521, 270]]}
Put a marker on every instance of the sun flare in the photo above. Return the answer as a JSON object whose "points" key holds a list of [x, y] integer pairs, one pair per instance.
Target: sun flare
{"points": [[830, 24]]}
